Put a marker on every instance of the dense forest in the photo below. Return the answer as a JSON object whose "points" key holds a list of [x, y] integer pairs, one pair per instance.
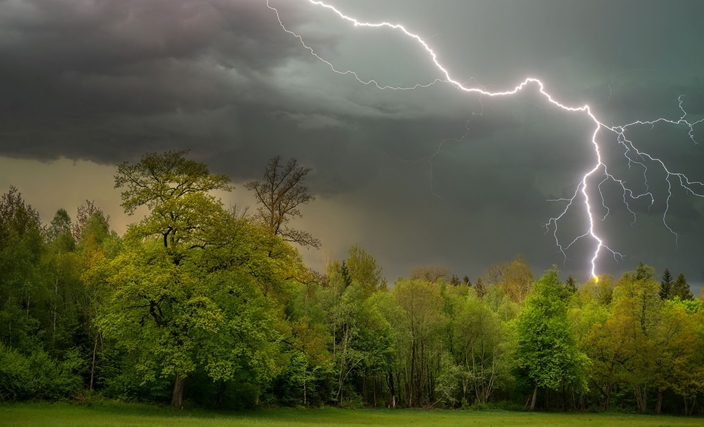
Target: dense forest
{"points": [[206, 305]]}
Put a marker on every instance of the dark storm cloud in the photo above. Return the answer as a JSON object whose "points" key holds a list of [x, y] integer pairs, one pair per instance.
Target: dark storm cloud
{"points": [[75, 72], [425, 176]]}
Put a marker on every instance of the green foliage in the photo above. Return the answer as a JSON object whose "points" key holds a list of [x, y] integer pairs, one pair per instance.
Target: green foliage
{"points": [[666, 284], [176, 191], [362, 268], [484, 348], [22, 296], [38, 376], [176, 318], [680, 289], [547, 346], [202, 306]]}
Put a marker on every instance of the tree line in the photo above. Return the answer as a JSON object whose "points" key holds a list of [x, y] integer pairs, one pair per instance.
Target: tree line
{"points": [[201, 303]]}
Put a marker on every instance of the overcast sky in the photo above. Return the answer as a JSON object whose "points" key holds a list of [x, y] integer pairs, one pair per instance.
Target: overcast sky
{"points": [[429, 176]]}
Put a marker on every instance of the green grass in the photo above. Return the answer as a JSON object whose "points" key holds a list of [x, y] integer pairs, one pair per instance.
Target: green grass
{"points": [[113, 414]]}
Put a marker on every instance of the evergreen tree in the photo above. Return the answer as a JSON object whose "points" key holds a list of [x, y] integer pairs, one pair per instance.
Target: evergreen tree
{"points": [[681, 289], [666, 284]]}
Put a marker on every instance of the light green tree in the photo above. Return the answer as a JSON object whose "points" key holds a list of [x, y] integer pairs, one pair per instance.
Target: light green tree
{"points": [[636, 302], [484, 349], [184, 290], [547, 347], [363, 269], [419, 336]]}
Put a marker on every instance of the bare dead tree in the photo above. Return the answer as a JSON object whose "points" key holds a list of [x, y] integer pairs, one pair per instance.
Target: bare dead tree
{"points": [[280, 193]]}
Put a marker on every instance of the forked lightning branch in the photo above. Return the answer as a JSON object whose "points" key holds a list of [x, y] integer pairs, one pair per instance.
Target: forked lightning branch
{"points": [[596, 175]]}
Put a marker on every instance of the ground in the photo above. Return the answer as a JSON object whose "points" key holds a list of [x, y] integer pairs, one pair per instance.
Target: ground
{"points": [[67, 415]]}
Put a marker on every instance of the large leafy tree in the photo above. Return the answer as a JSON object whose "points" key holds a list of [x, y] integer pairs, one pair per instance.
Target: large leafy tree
{"points": [[609, 345], [547, 347], [362, 337], [183, 291], [177, 193], [419, 340], [60, 265], [482, 347], [22, 294], [177, 319], [677, 364], [364, 269], [516, 279], [637, 304]]}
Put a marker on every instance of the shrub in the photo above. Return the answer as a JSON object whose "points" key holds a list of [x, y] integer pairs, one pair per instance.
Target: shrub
{"points": [[38, 376]]}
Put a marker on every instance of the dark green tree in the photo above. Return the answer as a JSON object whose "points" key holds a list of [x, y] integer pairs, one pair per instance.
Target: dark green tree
{"points": [[61, 275], [23, 295], [84, 213], [60, 228], [681, 289], [666, 284]]}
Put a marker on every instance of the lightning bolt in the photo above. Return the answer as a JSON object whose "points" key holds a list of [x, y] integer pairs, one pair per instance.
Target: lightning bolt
{"points": [[580, 196]]}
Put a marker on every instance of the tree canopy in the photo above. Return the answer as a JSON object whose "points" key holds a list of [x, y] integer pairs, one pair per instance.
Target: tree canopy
{"points": [[198, 303]]}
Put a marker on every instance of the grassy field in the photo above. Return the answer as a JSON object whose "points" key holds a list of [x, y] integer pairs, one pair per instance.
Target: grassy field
{"points": [[65, 415]]}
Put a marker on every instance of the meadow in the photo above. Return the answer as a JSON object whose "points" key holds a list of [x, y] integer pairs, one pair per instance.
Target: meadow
{"points": [[109, 414]]}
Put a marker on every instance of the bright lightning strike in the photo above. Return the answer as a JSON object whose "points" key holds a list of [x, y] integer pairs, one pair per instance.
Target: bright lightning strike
{"points": [[632, 154]]}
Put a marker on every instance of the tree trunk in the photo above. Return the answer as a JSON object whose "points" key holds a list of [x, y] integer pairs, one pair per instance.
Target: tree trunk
{"points": [[221, 394], [564, 405], [412, 382], [607, 397], [641, 397], [177, 396], [392, 389], [658, 404], [532, 399], [686, 410], [92, 367], [547, 396], [56, 309]]}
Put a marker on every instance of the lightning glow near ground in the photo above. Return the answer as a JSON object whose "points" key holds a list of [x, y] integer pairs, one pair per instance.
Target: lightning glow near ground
{"points": [[633, 155]]}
